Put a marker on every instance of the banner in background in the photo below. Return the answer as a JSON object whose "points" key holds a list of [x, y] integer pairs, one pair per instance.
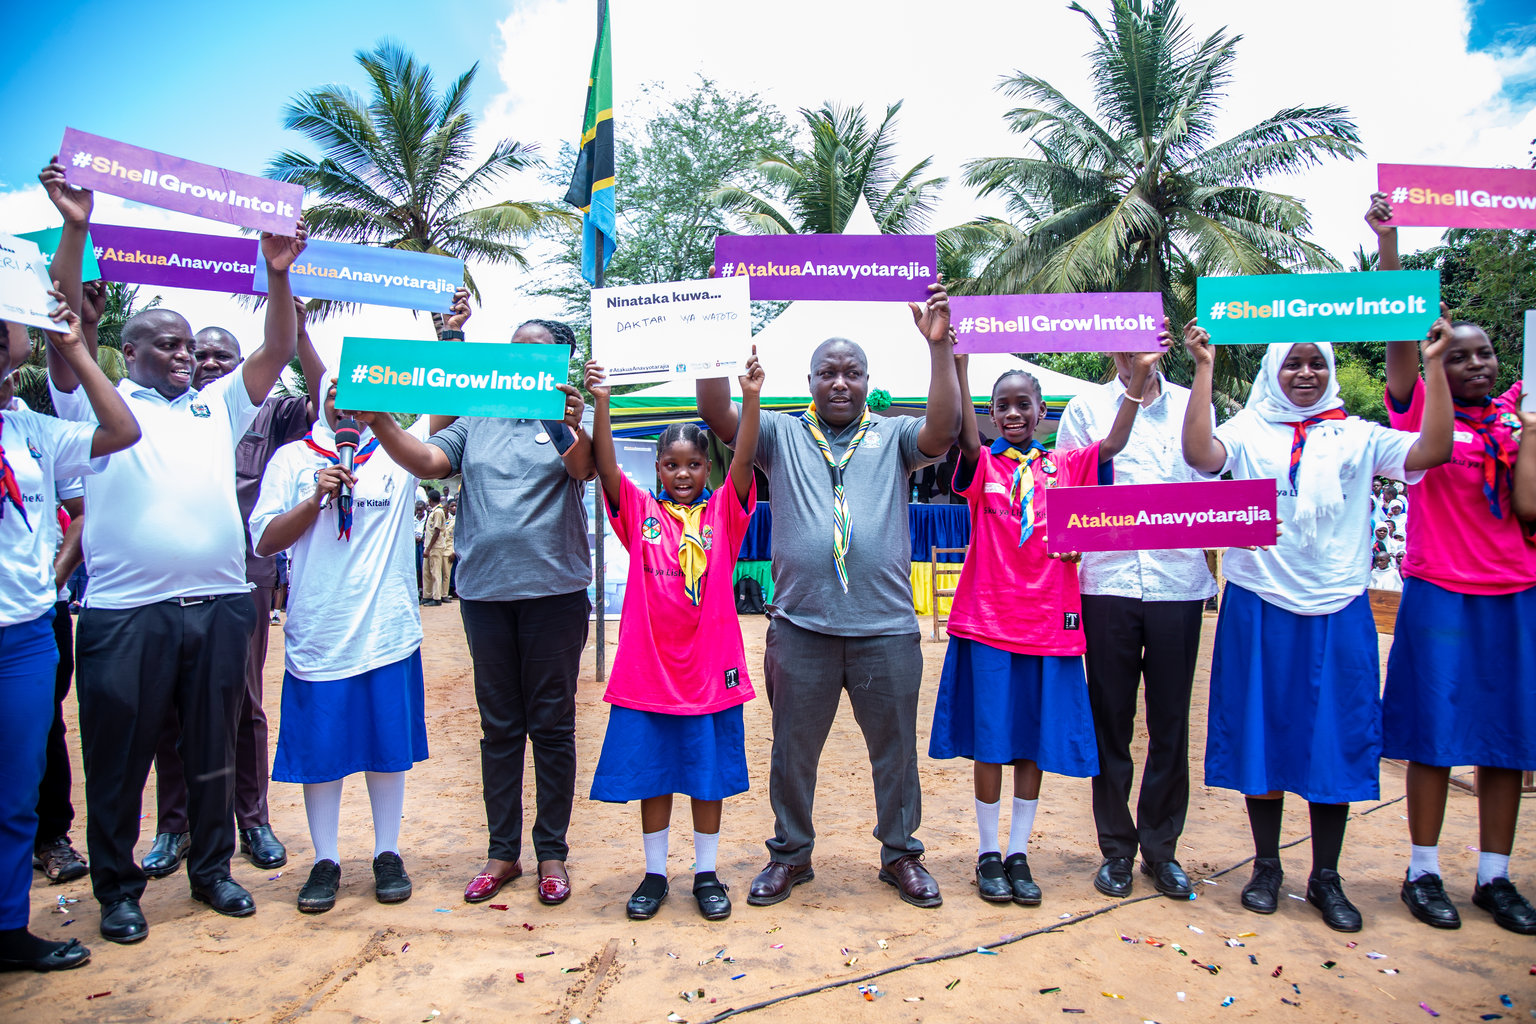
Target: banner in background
{"points": [[1084, 322], [145, 176], [1146, 517], [47, 242], [1528, 372], [681, 330], [24, 284], [1257, 309], [175, 259], [388, 375], [344, 272], [889, 268], [1459, 197]]}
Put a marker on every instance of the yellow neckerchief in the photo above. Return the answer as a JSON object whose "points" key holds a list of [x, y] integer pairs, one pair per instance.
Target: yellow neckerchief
{"points": [[691, 557], [1022, 491]]}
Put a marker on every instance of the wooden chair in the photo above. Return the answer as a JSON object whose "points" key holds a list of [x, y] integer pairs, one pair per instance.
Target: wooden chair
{"points": [[951, 572]]}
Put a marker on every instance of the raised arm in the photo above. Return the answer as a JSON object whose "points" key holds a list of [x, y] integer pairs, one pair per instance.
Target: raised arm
{"points": [[1436, 432], [1402, 356], [941, 422], [579, 463], [1143, 365], [423, 461], [970, 430], [266, 364], [747, 425], [1201, 448], [309, 360], [603, 455], [716, 408], [116, 428], [452, 330], [1524, 482], [74, 206]]}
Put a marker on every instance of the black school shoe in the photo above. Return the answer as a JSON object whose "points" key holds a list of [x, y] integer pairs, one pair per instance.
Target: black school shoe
{"points": [[1262, 893], [647, 899], [1022, 884], [1325, 891], [1168, 878], [1509, 909], [1426, 900], [48, 956], [319, 893], [390, 882], [992, 879], [709, 891]]}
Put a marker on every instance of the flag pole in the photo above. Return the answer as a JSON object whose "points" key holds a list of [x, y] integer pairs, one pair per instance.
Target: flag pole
{"points": [[598, 511]]}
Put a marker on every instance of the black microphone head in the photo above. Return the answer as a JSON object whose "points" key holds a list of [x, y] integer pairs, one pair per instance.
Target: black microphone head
{"points": [[348, 432]]}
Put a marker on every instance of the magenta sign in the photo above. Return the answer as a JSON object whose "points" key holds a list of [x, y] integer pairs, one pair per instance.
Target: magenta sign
{"points": [[1145, 517], [876, 268], [1080, 322], [94, 162], [1459, 197], [176, 259]]}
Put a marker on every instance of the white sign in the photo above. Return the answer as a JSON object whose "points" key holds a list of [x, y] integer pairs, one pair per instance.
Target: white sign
{"points": [[24, 284], [1528, 373], [679, 330]]}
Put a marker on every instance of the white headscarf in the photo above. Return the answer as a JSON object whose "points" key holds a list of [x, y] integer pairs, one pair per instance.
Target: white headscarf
{"points": [[324, 436], [1318, 491]]}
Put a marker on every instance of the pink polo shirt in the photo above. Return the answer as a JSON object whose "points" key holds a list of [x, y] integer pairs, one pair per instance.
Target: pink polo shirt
{"points": [[1453, 539], [676, 658], [1011, 597]]}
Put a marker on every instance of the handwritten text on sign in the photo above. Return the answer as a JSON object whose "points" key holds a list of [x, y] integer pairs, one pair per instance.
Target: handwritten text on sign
{"points": [[682, 330], [1459, 197], [1084, 322], [833, 267], [452, 378], [1147, 517]]}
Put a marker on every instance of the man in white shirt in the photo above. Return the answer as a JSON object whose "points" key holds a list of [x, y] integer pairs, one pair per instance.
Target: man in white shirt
{"points": [[168, 617], [1142, 612]]}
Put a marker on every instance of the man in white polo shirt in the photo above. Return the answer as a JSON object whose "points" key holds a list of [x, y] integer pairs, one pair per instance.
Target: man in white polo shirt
{"points": [[168, 617]]}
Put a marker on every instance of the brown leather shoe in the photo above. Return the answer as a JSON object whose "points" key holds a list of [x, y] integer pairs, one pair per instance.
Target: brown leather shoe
{"points": [[485, 885], [912, 881], [773, 883]]}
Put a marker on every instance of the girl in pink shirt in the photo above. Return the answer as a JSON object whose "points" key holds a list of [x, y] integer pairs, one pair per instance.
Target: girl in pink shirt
{"points": [[1464, 652], [680, 674], [1013, 689]]}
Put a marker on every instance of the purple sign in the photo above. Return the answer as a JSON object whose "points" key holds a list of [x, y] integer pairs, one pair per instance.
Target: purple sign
{"points": [[1073, 322], [1150, 517], [176, 259], [879, 268], [145, 176]]}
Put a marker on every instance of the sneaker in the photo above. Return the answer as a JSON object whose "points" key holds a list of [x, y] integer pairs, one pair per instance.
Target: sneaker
{"points": [[276, 619], [390, 882], [1509, 909], [59, 861], [1426, 900], [319, 893], [1325, 891], [1262, 893]]}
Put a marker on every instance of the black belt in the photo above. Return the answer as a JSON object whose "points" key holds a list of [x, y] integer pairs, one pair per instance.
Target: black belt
{"points": [[189, 601]]}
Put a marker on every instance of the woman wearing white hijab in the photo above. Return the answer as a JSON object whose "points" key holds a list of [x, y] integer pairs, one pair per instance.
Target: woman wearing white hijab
{"points": [[1295, 700], [352, 690]]}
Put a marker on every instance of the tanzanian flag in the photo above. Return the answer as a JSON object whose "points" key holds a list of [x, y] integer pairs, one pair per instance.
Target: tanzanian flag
{"points": [[591, 188]]}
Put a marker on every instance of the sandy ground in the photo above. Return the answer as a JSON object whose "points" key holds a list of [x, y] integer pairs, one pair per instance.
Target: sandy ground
{"points": [[437, 957]]}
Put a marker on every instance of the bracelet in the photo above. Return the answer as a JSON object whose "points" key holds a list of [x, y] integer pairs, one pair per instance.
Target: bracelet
{"points": [[451, 335], [1137, 399]]}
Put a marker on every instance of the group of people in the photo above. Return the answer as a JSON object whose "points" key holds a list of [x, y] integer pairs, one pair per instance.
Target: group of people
{"points": [[436, 561], [1389, 537], [1045, 658]]}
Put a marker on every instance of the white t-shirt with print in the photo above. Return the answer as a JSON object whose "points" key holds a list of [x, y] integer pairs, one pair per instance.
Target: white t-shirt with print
{"points": [[42, 451]]}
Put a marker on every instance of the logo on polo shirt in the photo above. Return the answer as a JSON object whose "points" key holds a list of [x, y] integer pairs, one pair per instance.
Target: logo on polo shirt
{"points": [[651, 530], [1070, 620], [200, 410], [732, 678], [708, 536], [33, 451], [871, 440]]}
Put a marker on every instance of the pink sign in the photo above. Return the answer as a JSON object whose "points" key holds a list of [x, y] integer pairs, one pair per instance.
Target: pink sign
{"points": [[1145, 517], [1459, 197], [873, 268], [1074, 322], [172, 183]]}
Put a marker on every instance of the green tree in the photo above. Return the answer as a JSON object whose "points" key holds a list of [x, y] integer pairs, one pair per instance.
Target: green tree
{"points": [[1142, 197], [398, 170], [815, 190]]}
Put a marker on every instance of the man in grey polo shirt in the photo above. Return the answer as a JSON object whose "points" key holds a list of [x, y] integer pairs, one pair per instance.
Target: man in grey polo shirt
{"points": [[842, 610]]}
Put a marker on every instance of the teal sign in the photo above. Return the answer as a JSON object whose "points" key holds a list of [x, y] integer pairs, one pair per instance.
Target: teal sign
{"points": [[1387, 305], [48, 243], [451, 378]]}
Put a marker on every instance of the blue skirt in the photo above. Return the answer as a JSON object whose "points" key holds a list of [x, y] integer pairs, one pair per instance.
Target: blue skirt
{"points": [[997, 707], [1295, 701], [646, 754], [371, 722], [1461, 679]]}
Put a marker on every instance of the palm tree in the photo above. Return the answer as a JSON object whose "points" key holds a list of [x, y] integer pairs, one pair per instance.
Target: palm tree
{"points": [[1142, 197], [815, 191], [398, 172]]}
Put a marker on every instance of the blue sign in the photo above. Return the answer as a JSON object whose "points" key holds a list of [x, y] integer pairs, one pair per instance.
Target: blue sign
{"points": [[343, 272]]}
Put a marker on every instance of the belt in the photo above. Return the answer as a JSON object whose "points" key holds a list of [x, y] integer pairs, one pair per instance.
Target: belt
{"points": [[187, 602]]}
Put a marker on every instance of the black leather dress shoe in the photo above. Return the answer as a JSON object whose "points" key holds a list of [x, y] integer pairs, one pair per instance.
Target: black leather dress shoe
{"points": [[1427, 901], [225, 895], [773, 883], [992, 880], [1020, 881], [261, 846], [122, 921], [1114, 877], [912, 881], [1169, 879], [1325, 891], [1509, 909], [61, 956], [166, 853], [1262, 893], [647, 899], [709, 893]]}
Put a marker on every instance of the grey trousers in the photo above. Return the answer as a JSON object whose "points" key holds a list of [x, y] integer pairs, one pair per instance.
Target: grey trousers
{"points": [[805, 675]]}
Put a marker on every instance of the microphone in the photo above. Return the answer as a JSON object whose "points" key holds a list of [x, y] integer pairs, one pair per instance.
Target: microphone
{"points": [[348, 433]]}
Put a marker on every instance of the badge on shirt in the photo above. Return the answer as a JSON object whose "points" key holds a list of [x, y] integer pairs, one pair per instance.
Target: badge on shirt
{"points": [[1070, 620], [651, 530], [541, 438], [707, 534], [871, 440], [33, 451], [732, 679], [996, 489], [201, 411]]}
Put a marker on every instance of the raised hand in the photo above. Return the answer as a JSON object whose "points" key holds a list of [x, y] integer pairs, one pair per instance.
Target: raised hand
{"points": [[595, 378], [281, 250], [94, 302], [932, 318], [69, 335], [300, 313], [1379, 214], [73, 203], [460, 310], [1197, 340], [752, 381], [1439, 337], [1145, 363], [574, 406], [328, 481]]}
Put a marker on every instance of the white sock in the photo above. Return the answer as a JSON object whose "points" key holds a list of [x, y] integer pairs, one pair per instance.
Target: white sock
{"points": [[987, 816], [1491, 866], [706, 848], [386, 793], [1424, 861], [1022, 825], [322, 805], [656, 851]]}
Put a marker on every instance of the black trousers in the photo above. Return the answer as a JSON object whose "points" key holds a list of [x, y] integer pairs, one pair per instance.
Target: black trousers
{"points": [[55, 812], [1130, 640], [527, 656], [136, 665]]}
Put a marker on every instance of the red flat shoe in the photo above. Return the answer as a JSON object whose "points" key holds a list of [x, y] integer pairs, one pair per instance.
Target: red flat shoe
{"points": [[485, 885], [554, 890]]}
